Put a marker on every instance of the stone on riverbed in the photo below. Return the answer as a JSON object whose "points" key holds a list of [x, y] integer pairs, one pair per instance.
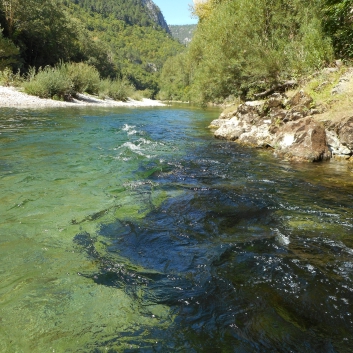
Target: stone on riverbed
{"points": [[301, 98]]}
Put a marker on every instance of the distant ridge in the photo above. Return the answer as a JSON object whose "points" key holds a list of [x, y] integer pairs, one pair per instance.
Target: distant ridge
{"points": [[183, 33]]}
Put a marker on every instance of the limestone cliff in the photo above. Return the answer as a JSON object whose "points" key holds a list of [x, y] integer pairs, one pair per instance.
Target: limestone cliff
{"points": [[183, 33], [156, 14]]}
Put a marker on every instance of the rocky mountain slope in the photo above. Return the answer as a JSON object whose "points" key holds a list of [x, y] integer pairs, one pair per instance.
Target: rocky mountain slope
{"points": [[183, 33], [156, 14]]}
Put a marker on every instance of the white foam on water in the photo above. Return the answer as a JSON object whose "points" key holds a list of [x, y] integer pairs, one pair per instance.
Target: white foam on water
{"points": [[132, 132], [127, 127], [281, 238]]}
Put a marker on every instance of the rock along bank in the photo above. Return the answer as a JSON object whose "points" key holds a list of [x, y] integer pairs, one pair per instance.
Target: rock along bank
{"points": [[289, 127]]}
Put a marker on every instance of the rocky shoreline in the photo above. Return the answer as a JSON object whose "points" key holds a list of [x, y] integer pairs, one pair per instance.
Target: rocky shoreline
{"points": [[10, 97], [289, 127]]}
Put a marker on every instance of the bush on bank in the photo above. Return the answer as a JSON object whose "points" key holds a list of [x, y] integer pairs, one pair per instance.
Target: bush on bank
{"points": [[115, 89], [50, 82], [66, 80]]}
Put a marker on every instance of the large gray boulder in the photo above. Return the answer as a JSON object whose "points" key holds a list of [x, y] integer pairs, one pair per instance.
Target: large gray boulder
{"points": [[230, 129], [302, 140], [249, 125]]}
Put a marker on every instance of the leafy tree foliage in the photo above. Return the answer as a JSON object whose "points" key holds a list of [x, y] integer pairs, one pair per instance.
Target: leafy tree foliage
{"points": [[338, 17], [41, 29], [241, 47], [132, 12], [131, 51], [9, 53], [118, 37], [204, 9], [175, 78]]}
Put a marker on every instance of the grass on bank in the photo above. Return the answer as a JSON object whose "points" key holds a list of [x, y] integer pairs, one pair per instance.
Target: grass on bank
{"points": [[8, 78], [320, 87], [66, 80]]}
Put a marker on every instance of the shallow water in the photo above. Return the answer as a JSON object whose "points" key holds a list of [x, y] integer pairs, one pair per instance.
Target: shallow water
{"points": [[133, 230]]}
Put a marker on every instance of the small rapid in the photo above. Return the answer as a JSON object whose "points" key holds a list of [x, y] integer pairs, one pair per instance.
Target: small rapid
{"points": [[136, 231]]}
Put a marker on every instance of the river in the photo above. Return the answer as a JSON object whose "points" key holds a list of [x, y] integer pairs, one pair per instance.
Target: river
{"points": [[134, 230]]}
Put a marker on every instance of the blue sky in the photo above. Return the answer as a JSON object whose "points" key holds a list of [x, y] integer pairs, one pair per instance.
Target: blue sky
{"points": [[176, 12]]}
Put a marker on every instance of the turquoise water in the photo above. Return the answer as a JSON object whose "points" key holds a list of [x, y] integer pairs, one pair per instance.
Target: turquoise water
{"points": [[133, 230]]}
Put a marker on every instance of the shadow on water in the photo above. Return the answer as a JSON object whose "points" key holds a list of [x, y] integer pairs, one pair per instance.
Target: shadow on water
{"points": [[228, 258]]}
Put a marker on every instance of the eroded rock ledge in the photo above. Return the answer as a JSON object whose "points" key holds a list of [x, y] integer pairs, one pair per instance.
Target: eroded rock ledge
{"points": [[289, 127]]}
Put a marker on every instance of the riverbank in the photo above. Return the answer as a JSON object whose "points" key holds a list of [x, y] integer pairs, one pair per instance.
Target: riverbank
{"points": [[10, 97], [313, 122]]}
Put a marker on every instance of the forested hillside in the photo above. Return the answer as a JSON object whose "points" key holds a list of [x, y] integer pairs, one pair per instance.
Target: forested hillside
{"points": [[241, 48], [120, 38], [133, 12]]}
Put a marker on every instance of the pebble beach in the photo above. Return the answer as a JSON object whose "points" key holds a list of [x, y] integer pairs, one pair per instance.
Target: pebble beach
{"points": [[11, 97]]}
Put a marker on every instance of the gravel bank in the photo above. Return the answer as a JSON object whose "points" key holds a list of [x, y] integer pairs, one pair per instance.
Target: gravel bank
{"points": [[10, 97]]}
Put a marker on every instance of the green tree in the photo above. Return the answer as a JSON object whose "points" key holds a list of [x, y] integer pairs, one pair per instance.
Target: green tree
{"points": [[41, 29], [118, 37], [9, 53], [175, 78], [339, 26], [241, 47]]}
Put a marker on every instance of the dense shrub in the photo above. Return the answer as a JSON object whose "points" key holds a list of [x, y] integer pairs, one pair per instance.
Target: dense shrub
{"points": [[85, 78], [175, 78], [117, 89], [50, 82], [9, 53], [8, 78], [338, 24], [66, 79]]}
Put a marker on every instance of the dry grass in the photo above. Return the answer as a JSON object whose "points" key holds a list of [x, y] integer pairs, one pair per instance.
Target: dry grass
{"points": [[230, 108], [333, 107]]}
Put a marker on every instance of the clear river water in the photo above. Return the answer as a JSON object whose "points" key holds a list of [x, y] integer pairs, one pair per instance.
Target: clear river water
{"points": [[134, 230]]}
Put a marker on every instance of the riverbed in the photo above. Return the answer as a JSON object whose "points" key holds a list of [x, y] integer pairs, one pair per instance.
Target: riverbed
{"points": [[134, 230]]}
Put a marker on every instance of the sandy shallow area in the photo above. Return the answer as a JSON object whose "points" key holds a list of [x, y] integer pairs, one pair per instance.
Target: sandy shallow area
{"points": [[10, 97]]}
